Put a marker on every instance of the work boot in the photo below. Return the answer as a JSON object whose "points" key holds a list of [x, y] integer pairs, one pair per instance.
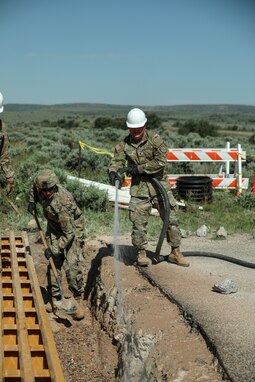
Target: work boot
{"points": [[177, 257], [80, 312], [64, 305], [142, 259]]}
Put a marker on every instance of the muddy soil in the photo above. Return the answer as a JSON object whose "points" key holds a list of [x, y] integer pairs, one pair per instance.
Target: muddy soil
{"points": [[92, 349]]}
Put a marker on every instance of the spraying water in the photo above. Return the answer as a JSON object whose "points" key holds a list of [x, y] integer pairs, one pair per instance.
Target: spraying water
{"points": [[121, 320], [117, 260], [124, 318]]}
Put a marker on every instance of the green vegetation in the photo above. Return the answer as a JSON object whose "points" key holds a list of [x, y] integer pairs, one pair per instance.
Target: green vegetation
{"points": [[48, 136], [203, 128]]}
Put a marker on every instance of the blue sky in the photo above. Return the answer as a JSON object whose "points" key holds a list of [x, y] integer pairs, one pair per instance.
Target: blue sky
{"points": [[132, 52]]}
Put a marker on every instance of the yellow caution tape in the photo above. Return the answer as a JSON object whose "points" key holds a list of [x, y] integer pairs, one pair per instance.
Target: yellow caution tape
{"points": [[95, 149]]}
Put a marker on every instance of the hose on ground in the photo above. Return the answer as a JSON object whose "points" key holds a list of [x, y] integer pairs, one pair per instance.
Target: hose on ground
{"points": [[243, 263]]}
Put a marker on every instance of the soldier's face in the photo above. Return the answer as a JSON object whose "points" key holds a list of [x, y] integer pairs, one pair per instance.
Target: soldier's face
{"points": [[137, 133], [48, 193]]}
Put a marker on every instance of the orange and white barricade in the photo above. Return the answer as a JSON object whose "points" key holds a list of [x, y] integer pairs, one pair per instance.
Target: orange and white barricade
{"points": [[224, 180]]}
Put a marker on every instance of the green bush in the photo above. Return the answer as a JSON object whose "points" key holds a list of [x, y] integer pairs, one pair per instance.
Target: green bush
{"points": [[246, 200], [203, 128], [88, 197]]}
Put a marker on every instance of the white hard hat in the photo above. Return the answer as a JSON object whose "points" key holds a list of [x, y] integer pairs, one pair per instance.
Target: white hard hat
{"points": [[136, 118], [1, 103]]}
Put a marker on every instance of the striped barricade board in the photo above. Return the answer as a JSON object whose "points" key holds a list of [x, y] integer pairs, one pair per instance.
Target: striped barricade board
{"points": [[218, 181], [205, 155]]}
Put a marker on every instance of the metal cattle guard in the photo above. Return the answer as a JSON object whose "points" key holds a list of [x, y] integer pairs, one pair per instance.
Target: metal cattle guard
{"points": [[28, 351]]}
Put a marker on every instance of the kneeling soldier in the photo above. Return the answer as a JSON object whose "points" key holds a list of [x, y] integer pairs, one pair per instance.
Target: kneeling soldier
{"points": [[65, 238]]}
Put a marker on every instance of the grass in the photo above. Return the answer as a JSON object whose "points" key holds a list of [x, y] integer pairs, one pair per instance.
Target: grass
{"points": [[225, 210], [236, 215], [61, 145]]}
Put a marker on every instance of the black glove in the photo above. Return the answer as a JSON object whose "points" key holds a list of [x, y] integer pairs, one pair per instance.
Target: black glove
{"points": [[113, 176], [47, 253], [31, 208], [132, 170]]}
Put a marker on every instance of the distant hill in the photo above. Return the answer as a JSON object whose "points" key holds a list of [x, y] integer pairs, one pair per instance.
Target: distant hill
{"points": [[93, 107]]}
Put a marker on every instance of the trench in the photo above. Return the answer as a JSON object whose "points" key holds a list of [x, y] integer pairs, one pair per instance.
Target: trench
{"points": [[136, 347]]}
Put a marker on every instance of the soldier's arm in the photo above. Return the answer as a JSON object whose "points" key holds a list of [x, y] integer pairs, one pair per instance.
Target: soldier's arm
{"points": [[66, 223], [33, 195], [119, 159], [5, 159]]}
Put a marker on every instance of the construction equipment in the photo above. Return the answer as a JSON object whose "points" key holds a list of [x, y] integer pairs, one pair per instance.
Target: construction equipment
{"points": [[69, 308]]}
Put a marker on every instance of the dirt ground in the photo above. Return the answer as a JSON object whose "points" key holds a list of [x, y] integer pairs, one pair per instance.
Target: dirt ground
{"points": [[88, 353]]}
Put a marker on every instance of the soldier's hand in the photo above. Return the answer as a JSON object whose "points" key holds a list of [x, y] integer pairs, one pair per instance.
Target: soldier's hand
{"points": [[10, 186], [132, 170], [47, 253], [113, 176], [31, 208]]}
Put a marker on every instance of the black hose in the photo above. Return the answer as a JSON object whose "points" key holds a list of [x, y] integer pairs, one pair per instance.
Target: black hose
{"points": [[158, 186], [222, 257]]}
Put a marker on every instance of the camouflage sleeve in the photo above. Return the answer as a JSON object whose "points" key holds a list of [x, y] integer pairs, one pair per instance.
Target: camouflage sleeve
{"points": [[33, 195], [5, 159], [158, 162], [81, 233], [70, 219], [119, 159], [67, 226]]}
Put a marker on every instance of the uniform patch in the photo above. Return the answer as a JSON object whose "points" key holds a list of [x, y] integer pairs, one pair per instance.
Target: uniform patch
{"points": [[117, 148]]}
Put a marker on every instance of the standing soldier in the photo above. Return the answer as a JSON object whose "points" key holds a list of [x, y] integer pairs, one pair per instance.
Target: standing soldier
{"points": [[144, 153], [5, 159], [65, 238]]}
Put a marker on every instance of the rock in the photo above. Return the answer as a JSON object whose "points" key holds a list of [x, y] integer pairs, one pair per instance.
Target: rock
{"points": [[32, 224], [226, 286], [202, 231], [184, 233], [221, 233]]}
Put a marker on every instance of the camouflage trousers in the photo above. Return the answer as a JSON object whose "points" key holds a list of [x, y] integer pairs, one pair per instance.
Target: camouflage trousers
{"points": [[139, 212], [71, 260]]}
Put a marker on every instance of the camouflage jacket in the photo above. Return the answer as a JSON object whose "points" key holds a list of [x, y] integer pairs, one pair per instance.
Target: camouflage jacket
{"points": [[150, 157], [5, 159], [65, 219]]}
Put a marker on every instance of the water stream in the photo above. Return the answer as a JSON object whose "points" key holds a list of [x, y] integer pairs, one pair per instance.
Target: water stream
{"points": [[117, 260], [121, 314]]}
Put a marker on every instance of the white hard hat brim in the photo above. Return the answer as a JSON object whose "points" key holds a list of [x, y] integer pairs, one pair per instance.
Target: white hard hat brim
{"points": [[136, 125]]}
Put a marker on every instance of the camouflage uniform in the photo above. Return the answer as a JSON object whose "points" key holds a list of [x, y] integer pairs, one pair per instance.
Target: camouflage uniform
{"points": [[150, 157], [65, 237], [5, 159]]}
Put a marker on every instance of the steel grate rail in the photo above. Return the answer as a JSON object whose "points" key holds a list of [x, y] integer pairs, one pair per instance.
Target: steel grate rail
{"points": [[28, 351]]}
